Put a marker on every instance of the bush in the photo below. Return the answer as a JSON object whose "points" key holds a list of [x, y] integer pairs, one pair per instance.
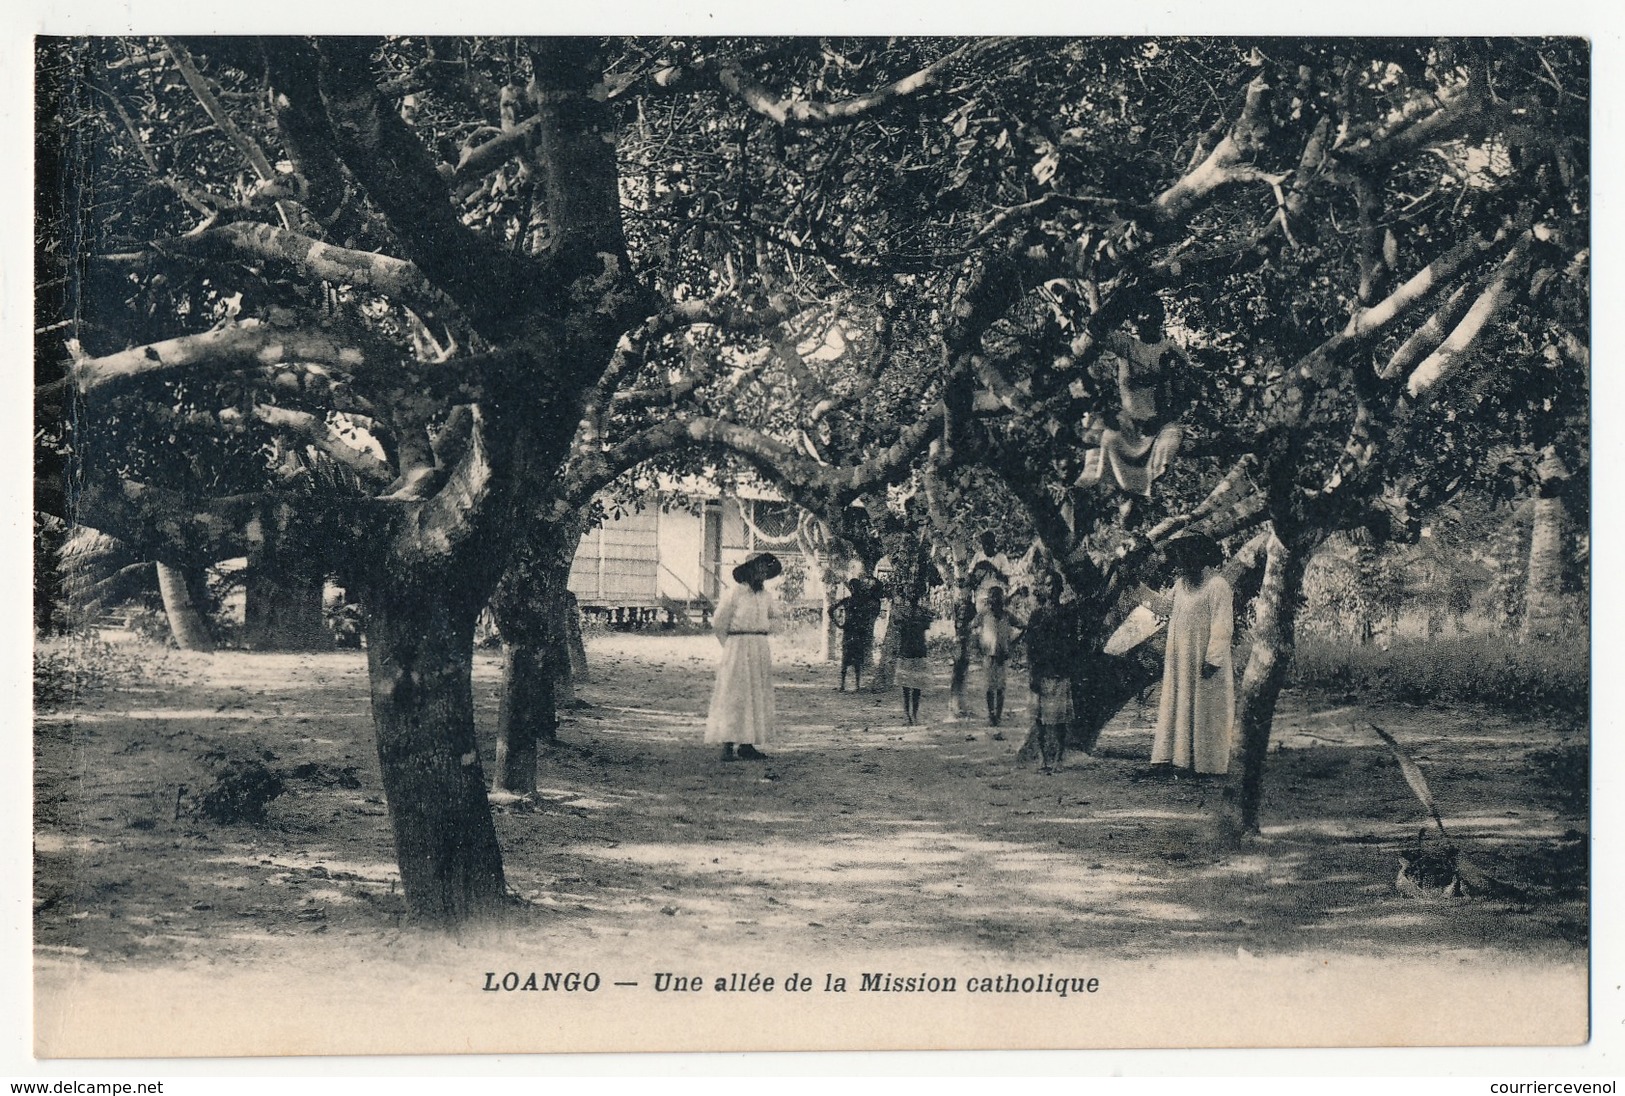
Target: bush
{"points": [[1494, 670], [73, 666]]}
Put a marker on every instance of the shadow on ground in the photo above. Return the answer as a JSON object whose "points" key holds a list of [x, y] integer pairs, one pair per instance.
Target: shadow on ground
{"points": [[858, 832]]}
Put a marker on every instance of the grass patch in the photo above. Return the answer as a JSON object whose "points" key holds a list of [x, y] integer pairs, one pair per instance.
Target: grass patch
{"points": [[1552, 676]]}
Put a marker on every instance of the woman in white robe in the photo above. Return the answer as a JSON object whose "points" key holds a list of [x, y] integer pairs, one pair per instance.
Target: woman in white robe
{"points": [[1196, 720], [742, 700]]}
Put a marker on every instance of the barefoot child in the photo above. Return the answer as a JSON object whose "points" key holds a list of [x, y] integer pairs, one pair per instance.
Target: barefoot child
{"points": [[911, 619], [1051, 656], [995, 631], [855, 615]]}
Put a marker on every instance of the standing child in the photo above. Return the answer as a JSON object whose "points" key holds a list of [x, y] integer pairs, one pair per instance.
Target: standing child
{"points": [[742, 700], [912, 620], [995, 632], [855, 615], [964, 618], [1051, 657], [989, 570], [1195, 724]]}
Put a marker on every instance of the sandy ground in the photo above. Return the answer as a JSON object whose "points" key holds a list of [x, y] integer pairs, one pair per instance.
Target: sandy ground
{"points": [[862, 846]]}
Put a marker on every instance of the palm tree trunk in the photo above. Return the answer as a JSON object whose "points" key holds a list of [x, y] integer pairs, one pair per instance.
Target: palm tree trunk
{"points": [[1543, 603], [186, 621]]}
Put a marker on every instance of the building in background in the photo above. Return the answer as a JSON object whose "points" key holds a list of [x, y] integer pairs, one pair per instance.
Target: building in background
{"points": [[678, 555]]}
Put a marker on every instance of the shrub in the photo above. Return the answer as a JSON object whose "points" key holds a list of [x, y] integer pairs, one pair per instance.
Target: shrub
{"points": [[1485, 669], [72, 666], [242, 789]]}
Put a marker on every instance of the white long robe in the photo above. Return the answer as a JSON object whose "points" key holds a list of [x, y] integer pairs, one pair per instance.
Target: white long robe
{"points": [[1196, 722], [742, 699]]}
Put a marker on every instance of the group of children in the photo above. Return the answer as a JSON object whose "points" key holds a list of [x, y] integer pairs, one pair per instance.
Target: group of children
{"points": [[1195, 721]]}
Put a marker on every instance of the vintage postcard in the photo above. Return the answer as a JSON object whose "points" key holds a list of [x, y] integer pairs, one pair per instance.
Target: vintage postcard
{"points": [[671, 543]]}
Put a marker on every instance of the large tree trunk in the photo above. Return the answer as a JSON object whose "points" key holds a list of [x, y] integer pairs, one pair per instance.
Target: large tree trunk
{"points": [[1273, 633], [186, 621], [1543, 601], [884, 673], [527, 716], [534, 608], [282, 609], [420, 656], [535, 681], [834, 577], [964, 613]]}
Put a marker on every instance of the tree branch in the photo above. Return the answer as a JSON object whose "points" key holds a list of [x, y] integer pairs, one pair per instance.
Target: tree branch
{"points": [[248, 345], [321, 434], [1228, 163], [482, 159], [1428, 336], [779, 462], [245, 144], [1039, 206], [294, 71], [1440, 365], [458, 511], [161, 524], [806, 114], [1234, 489], [492, 286], [1455, 111], [1366, 324], [312, 258]]}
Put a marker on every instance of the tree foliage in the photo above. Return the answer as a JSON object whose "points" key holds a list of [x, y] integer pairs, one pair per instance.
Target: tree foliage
{"points": [[432, 294]]}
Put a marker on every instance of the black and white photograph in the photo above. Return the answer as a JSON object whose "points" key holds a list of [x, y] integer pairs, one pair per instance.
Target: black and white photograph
{"points": [[804, 542]]}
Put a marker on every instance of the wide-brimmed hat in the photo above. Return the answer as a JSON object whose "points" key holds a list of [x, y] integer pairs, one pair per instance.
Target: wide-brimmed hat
{"points": [[763, 565], [1198, 547]]}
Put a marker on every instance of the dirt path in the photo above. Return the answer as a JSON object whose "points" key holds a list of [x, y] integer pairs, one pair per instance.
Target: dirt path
{"points": [[859, 841]]}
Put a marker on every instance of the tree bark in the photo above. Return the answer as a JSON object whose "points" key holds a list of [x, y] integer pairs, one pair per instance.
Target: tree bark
{"points": [[420, 643], [1543, 601], [527, 716], [1273, 634], [535, 611], [884, 673], [575, 644], [282, 610], [186, 622], [964, 614]]}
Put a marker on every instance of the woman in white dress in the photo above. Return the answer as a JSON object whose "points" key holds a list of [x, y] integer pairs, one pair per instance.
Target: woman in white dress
{"points": [[1196, 721], [742, 700]]}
